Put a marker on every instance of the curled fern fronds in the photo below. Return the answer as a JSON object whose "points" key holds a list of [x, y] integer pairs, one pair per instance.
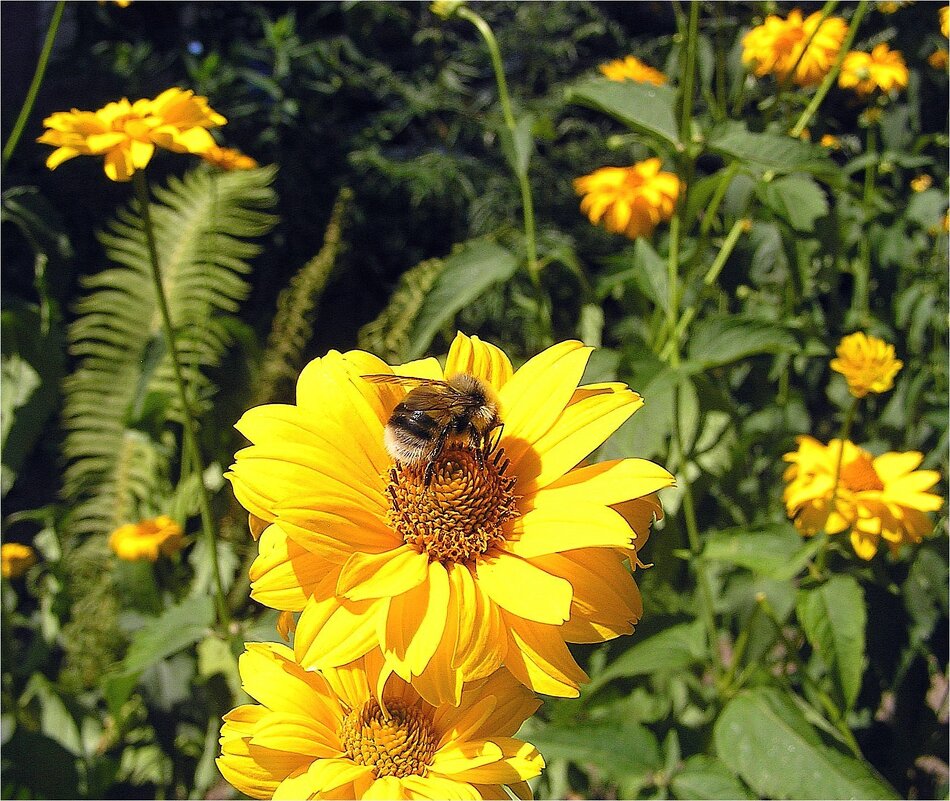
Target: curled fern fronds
{"points": [[388, 335], [122, 392], [296, 305]]}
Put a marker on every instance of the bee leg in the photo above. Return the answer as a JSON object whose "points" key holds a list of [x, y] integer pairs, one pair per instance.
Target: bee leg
{"points": [[494, 443], [436, 451]]}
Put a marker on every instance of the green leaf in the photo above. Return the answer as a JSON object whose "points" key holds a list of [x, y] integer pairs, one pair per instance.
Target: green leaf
{"points": [[833, 616], [780, 154], [643, 107], [470, 269], [765, 739], [925, 591], [797, 199], [56, 721], [599, 743], [775, 551], [676, 648], [177, 628], [518, 145], [705, 777], [716, 341]]}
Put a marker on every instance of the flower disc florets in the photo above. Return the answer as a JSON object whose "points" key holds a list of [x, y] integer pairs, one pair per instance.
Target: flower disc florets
{"points": [[398, 741], [459, 516]]}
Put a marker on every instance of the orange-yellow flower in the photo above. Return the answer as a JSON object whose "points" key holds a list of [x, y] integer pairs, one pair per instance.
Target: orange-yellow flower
{"points": [[830, 141], [127, 133], [630, 68], [329, 734], [945, 21], [778, 45], [499, 560], [921, 183], [939, 59], [147, 539], [882, 69], [228, 158], [877, 498], [629, 200], [867, 363], [16, 559]]}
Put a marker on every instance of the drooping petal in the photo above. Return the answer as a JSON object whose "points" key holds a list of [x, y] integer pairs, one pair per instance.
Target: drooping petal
{"points": [[523, 589], [271, 676], [415, 623], [380, 575], [323, 776], [333, 631], [538, 657], [436, 788], [285, 574], [481, 642]]}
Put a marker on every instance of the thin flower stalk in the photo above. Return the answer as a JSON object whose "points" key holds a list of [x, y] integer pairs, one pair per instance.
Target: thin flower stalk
{"points": [[845, 433], [832, 76], [34, 89], [189, 434]]}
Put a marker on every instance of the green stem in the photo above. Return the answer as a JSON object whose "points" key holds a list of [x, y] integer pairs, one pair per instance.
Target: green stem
{"points": [[689, 73], [843, 435], [188, 423], [742, 643], [832, 75], [524, 185], [34, 89], [708, 280], [862, 279], [826, 11]]}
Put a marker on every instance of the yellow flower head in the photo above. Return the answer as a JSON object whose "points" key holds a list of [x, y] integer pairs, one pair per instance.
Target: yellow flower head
{"points": [[16, 559], [921, 183], [445, 8], [830, 141], [891, 6], [883, 497], [882, 69], [147, 539], [228, 158], [631, 68], [939, 59], [127, 133], [329, 734], [867, 363], [629, 200], [493, 555], [945, 21], [776, 46]]}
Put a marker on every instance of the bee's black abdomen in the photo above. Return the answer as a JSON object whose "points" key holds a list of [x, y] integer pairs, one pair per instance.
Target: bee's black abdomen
{"points": [[416, 422]]}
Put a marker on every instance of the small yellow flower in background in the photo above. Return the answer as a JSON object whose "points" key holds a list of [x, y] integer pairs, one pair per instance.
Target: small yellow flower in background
{"points": [[877, 498], [891, 6], [939, 59], [945, 21], [921, 183], [867, 363], [830, 141], [882, 69], [629, 200], [328, 734], [631, 68], [228, 158], [16, 559], [127, 133], [775, 47], [497, 559], [147, 539], [445, 8]]}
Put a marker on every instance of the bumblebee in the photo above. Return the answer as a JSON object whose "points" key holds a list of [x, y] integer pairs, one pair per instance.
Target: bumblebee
{"points": [[461, 409]]}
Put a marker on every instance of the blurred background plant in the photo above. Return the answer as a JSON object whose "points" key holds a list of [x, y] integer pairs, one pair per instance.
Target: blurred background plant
{"points": [[396, 211]]}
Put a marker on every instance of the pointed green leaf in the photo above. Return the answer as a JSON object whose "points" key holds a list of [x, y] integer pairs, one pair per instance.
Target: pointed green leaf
{"points": [[797, 199], [833, 616], [780, 154], [643, 107], [716, 341], [177, 628], [766, 740], [705, 777]]}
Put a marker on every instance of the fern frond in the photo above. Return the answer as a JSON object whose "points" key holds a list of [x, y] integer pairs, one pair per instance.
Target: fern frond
{"points": [[203, 223], [388, 335], [293, 322]]}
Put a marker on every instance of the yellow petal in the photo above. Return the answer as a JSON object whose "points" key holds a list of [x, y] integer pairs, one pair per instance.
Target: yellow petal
{"points": [[551, 529], [415, 623], [118, 165], [538, 657], [333, 632], [608, 483], [382, 575], [437, 787], [441, 681], [480, 359], [284, 574], [384, 788], [481, 640], [518, 761], [460, 756], [270, 675], [523, 589], [60, 155], [323, 776], [534, 398], [297, 734], [593, 415]]}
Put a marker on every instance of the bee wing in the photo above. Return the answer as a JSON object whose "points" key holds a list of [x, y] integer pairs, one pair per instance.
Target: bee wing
{"points": [[404, 380]]}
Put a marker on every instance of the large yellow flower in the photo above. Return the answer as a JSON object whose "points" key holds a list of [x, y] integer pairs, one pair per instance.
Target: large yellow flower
{"points": [[629, 200], [882, 69], [883, 497], [326, 734], [867, 363], [778, 45], [16, 559], [127, 133], [147, 539], [944, 13], [499, 560], [630, 68]]}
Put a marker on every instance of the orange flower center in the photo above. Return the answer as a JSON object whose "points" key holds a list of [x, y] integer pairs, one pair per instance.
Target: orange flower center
{"points": [[398, 741], [860, 475], [459, 516]]}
